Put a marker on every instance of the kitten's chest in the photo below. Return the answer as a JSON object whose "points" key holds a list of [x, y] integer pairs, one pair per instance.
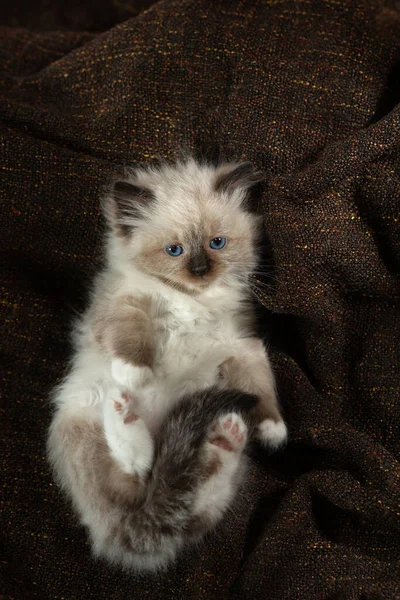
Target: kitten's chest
{"points": [[191, 343], [187, 332], [184, 324]]}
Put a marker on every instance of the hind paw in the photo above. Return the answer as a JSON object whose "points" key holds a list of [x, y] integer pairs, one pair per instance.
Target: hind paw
{"points": [[272, 433], [229, 432], [124, 406], [126, 433]]}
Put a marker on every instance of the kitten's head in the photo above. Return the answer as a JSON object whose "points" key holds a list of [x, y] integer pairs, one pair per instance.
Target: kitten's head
{"points": [[189, 225]]}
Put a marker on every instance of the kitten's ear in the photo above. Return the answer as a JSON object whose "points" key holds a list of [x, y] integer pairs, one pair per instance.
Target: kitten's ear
{"points": [[125, 204], [232, 177]]}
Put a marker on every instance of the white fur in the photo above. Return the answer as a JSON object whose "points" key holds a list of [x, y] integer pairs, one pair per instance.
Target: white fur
{"points": [[130, 443], [273, 434]]}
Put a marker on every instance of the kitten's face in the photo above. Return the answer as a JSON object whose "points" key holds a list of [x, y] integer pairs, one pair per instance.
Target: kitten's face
{"points": [[187, 226]]}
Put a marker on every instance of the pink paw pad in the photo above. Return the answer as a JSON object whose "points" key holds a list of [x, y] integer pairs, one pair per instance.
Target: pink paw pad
{"points": [[123, 408], [130, 418], [223, 443], [118, 406], [229, 432], [127, 397]]}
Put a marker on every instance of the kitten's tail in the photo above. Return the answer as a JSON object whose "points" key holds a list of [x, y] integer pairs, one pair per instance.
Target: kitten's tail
{"points": [[155, 531]]}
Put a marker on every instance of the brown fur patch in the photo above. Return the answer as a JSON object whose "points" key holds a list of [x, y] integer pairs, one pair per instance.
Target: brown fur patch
{"points": [[252, 373], [126, 331], [94, 470]]}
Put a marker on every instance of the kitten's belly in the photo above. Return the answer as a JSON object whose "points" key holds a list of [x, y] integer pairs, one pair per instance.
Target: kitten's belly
{"points": [[187, 362], [189, 355]]}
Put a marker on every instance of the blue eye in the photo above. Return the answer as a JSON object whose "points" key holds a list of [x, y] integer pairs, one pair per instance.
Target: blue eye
{"points": [[217, 243], [174, 250]]}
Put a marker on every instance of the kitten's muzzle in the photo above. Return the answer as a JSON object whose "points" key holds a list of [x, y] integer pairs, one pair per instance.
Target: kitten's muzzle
{"points": [[199, 265]]}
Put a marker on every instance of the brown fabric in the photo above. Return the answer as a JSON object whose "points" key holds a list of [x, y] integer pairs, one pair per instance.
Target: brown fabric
{"points": [[308, 90], [73, 15]]}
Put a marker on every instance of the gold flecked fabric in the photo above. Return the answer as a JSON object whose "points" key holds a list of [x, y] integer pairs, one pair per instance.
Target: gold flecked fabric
{"points": [[308, 90]]}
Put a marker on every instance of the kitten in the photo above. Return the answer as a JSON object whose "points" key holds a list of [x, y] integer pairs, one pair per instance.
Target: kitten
{"points": [[168, 379]]}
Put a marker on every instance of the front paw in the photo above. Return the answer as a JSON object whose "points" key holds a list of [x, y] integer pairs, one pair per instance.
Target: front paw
{"points": [[130, 376], [272, 433]]}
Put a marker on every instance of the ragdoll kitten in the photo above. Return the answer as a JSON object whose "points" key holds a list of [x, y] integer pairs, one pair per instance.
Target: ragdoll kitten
{"points": [[167, 377]]}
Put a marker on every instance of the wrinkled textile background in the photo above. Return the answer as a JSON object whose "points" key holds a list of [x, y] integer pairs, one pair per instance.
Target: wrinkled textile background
{"points": [[309, 91]]}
